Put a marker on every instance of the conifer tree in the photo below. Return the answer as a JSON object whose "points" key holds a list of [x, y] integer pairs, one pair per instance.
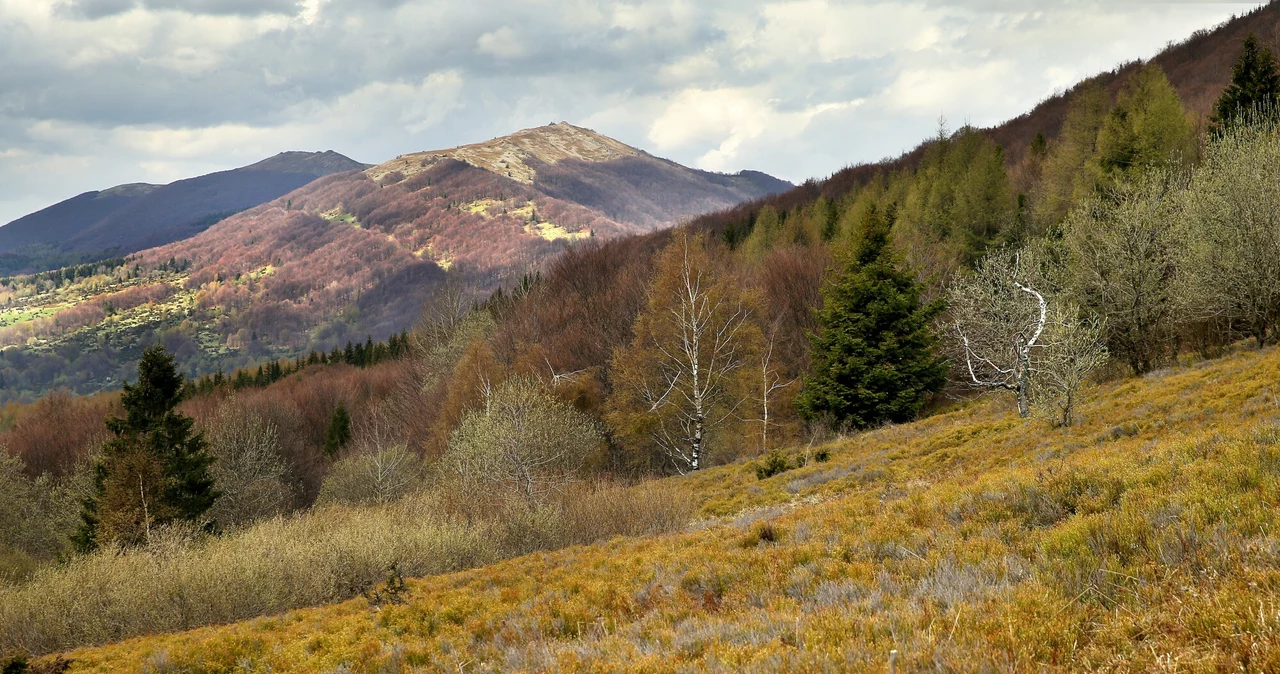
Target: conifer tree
{"points": [[155, 470], [1254, 88], [339, 432], [874, 356], [1147, 128]]}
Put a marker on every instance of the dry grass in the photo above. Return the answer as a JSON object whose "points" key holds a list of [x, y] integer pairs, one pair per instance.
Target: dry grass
{"points": [[327, 555], [968, 541]]}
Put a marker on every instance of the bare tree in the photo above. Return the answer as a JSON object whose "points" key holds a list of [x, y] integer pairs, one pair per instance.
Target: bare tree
{"points": [[686, 372], [249, 470], [997, 320], [1072, 350], [375, 475], [1011, 334], [770, 384]]}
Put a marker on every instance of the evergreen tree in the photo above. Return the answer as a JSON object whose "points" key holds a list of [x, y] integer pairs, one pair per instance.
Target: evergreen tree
{"points": [[155, 470], [339, 433], [1146, 128], [874, 357], [1254, 88]]}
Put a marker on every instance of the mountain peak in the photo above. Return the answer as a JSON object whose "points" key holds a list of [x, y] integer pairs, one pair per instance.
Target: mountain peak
{"points": [[315, 163], [511, 155]]}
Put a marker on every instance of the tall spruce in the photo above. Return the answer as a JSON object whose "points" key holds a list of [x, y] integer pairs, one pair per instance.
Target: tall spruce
{"points": [[339, 432], [874, 357], [1254, 89], [155, 470]]}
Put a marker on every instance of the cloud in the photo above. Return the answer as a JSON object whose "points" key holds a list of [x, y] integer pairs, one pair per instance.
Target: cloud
{"points": [[102, 92]]}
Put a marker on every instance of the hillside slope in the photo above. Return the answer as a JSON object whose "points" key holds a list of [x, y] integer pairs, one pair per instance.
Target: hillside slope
{"points": [[129, 218], [348, 256], [1141, 539], [1199, 67]]}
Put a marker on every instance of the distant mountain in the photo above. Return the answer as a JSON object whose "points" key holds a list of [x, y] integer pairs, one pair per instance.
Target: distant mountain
{"points": [[369, 245], [346, 256], [129, 218]]}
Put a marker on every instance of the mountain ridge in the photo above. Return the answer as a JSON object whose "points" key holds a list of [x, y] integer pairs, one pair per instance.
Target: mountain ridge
{"points": [[133, 216]]}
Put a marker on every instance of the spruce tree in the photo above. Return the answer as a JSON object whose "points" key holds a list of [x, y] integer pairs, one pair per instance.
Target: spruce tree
{"points": [[874, 355], [1254, 88], [339, 432], [155, 470]]}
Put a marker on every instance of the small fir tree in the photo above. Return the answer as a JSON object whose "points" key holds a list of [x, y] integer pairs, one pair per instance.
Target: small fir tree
{"points": [[339, 433], [155, 470], [1254, 88], [874, 355]]}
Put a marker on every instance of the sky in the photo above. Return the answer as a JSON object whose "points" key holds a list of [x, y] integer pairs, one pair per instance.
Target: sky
{"points": [[95, 93]]}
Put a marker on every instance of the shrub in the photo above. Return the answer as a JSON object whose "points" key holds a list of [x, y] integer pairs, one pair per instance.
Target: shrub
{"points": [[379, 475], [524, 441], [773, 464]]}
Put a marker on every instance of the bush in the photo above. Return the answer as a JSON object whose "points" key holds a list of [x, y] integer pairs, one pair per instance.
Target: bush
{"points": [[378, 475], [524, 441], [773, 464]]}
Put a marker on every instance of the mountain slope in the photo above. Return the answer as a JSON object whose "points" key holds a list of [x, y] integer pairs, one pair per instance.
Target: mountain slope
{"points": [[129, 218], [972, 540], [1198, 68], [347, 256]]}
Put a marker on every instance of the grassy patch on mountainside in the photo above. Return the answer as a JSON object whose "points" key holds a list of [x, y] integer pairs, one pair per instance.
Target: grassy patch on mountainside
{"points": [[1141, 539]]}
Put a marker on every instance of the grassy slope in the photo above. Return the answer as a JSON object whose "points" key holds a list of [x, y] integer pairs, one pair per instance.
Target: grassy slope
{"points": [[1139, 540]]}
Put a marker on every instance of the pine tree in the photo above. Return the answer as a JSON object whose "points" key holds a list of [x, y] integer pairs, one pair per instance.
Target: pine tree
{"points": [[1146, 128], [1254, 88], [155, 470], [339, 433], [873, 357]]}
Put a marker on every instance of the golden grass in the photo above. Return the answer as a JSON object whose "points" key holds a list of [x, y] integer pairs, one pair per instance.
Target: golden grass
{"points": [[1140, 540]]}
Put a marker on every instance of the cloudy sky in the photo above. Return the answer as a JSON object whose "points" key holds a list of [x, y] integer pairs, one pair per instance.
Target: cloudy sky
{"points": [[95, 93]]}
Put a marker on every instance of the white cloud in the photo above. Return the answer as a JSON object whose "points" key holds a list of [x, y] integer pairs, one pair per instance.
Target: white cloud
{"points": [[101, 92]]}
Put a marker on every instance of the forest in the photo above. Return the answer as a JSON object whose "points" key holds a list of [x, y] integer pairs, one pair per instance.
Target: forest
{"points": [[1137, 236]]}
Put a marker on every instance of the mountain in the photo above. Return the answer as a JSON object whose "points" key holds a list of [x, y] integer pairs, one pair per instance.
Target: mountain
{"points": [[129, 218], [350, 255]]}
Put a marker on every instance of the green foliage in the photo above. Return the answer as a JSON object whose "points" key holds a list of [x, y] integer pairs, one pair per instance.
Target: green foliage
{"points": [[873, 358], [1064, 177], [1147, 128], [960, 197], [155, 470], [339, 433], [773, 464], [1254, 90]]}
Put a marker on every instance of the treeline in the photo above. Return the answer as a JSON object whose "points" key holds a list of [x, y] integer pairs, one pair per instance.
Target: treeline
{"points": [[361, 355]]}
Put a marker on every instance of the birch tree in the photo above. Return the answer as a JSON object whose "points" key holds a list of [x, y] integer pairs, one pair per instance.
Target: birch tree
{"points": [[1010, 334], [686, 373]]}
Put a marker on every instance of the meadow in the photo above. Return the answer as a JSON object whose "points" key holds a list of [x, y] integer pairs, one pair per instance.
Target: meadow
{"points": [[1139, 539]]}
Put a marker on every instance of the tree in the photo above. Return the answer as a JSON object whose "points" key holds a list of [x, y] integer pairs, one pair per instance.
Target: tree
{"points": [[685, 374], [874, 355], [339, 433], [1064, 177], [524, 441], [1147, 128], [1230, 223], [1010, 333], [155, 470], [1122, 255], [1254, 89], [1071, 350], [249, 472]]}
